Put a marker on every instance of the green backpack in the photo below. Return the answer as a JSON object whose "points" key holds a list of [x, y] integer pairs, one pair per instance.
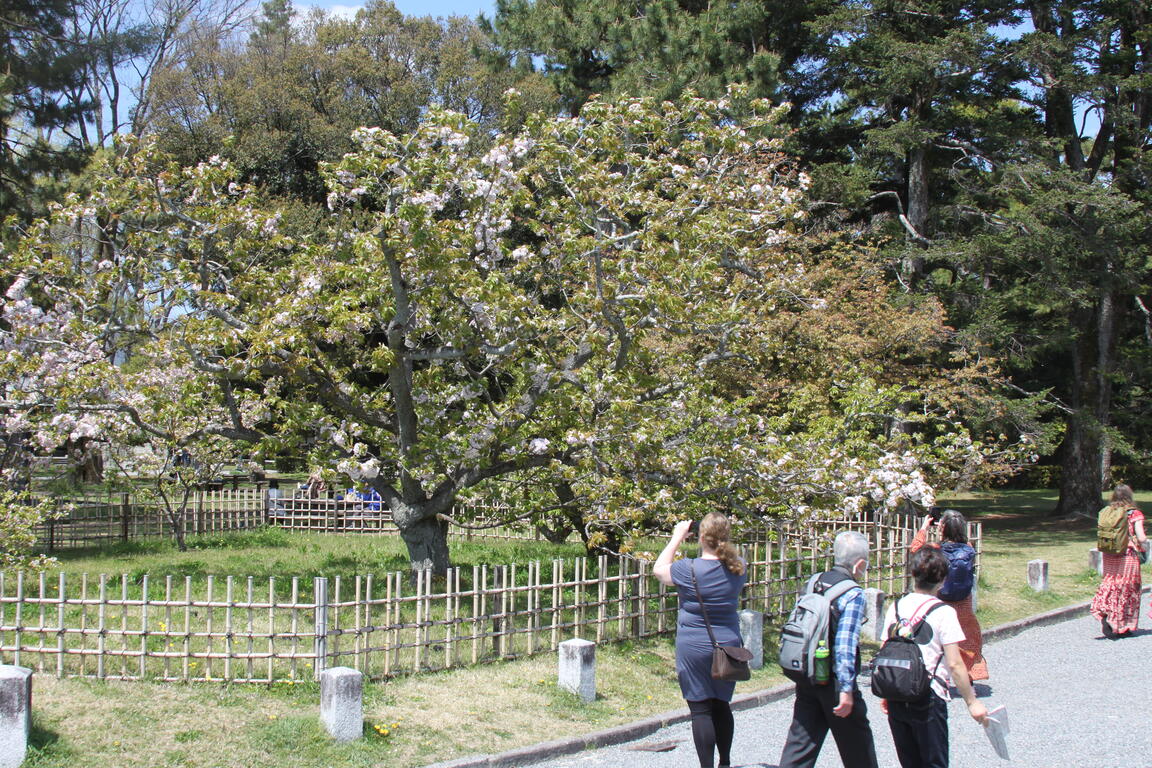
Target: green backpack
{"points": [[1112, 530]]}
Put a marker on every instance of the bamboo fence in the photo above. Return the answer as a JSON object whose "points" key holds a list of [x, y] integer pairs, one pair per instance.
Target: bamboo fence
{"points": [[287, 629], [98, 522], [91, 522]]}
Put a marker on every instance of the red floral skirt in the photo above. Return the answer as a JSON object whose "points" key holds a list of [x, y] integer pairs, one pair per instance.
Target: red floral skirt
{"points": [[972, 649], [1118, 599]]}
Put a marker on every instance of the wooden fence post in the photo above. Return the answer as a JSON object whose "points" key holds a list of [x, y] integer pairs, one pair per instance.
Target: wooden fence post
{"points": [[500, 612], [320, 588], [125, 516], [635, 592]]}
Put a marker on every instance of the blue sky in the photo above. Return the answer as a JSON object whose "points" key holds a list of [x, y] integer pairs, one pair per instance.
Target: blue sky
{"points": [[412, 7]]}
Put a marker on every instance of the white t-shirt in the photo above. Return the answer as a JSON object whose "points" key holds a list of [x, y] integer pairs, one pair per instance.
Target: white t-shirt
{"points": [[939, 629]]}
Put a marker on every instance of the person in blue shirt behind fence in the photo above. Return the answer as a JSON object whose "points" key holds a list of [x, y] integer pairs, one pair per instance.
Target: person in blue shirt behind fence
{"points": [[366, 494], [837, 707]]}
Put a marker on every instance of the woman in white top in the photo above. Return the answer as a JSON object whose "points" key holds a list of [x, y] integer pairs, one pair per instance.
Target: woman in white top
{"points": [[920, 730]]}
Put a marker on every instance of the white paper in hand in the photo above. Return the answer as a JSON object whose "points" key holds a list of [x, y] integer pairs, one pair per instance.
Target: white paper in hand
{"points": [[996, 728]]}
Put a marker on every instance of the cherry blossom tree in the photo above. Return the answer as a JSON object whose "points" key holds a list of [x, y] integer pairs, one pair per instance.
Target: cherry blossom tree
{"points": [[584, 307]]}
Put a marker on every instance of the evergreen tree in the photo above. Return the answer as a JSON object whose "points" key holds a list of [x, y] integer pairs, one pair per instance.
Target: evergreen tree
{"points": [[40, 66], [1076, 226], [663, 48]]}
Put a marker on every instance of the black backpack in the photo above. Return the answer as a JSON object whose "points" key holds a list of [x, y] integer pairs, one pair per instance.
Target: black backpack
{"points": [[898, 671]]}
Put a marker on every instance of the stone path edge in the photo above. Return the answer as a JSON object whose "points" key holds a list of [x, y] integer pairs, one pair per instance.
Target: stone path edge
{"points": [[621, 734]]}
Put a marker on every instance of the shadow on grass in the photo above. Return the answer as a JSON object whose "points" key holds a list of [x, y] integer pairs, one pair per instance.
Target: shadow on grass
{"points": [[1041, 535], [1006, 504], [45, 747], [266, 537], [1026, 516]]}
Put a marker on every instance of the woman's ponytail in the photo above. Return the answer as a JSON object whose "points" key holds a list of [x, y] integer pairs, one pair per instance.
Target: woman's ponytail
{"points": [[714, 535]]}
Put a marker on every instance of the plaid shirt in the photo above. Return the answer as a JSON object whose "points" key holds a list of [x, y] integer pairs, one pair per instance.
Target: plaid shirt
{"points": [[851, 607]]}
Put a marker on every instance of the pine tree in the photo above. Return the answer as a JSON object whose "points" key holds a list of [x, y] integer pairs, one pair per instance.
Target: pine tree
{"points": [[662, 48], [39, 67]]}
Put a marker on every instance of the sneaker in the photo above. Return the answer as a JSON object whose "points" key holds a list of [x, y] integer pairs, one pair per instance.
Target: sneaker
{"points": [[1106, 628]]}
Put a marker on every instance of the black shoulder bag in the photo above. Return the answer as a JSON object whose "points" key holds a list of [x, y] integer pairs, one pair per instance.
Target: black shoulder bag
{"points": [[729, 662]]}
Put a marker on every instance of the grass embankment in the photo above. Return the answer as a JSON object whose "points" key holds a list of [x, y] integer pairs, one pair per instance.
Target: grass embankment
{"points": [[417, 720]]}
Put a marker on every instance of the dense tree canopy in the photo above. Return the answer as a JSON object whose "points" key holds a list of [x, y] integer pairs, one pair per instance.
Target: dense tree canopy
{"points": [[589, 302], [958, 134], [288, 98], [350, 244]]}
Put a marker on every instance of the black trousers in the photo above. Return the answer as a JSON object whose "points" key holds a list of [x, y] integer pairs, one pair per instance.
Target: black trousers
{"points": [[920, 732], [812, 718]]}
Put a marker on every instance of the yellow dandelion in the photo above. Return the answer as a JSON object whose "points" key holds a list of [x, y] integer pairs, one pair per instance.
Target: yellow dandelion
{"points": [[384, 732]]}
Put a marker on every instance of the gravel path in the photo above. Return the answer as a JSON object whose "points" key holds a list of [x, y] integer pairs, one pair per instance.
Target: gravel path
{"points": [[1075, 700]]}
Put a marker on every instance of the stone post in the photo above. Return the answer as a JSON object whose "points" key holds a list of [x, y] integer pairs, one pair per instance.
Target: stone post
{"points": [[15, 714], [752, 635], [578, 668], [1038, 575], [873, 614], [342, 703], [1096, 560]]}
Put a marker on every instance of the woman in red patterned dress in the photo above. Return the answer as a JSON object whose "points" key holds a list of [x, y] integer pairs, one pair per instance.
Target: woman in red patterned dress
{"points": [[952, 530], [1117, 602]]}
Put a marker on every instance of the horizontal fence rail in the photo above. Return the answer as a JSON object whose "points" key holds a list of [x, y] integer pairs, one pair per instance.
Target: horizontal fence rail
{"points": [[287, 629]]}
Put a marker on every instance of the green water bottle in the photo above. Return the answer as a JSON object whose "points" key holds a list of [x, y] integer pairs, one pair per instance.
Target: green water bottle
{"points": [[823, 670]]}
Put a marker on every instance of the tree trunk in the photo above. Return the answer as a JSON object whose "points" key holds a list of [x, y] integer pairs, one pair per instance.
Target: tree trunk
{"points": [[177, 519], [1083, 449], [1080, 487], [427, 541], [566, 519], [556, 530]]}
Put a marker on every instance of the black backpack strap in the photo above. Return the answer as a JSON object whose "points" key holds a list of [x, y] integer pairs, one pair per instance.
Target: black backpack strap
{"points": [[923, 618], [842, 584], [911, 630]]}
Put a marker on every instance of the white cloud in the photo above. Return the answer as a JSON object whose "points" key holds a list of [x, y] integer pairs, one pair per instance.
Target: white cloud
{"points": [[342, 11]]}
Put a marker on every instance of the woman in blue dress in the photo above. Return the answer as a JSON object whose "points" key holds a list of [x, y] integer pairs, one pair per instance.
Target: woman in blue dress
{"points": [[719, 575]]}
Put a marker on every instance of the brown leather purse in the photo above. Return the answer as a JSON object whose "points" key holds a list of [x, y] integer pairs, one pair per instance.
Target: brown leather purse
{"points": [[729, 662]]}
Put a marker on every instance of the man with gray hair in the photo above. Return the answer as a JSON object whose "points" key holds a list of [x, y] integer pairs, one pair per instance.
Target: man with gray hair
{"points": [[838, 706]]}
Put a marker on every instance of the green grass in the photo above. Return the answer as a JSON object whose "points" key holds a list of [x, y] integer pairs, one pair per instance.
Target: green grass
{"points": [[416, 720], [1016, 530], [268, 552]]}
